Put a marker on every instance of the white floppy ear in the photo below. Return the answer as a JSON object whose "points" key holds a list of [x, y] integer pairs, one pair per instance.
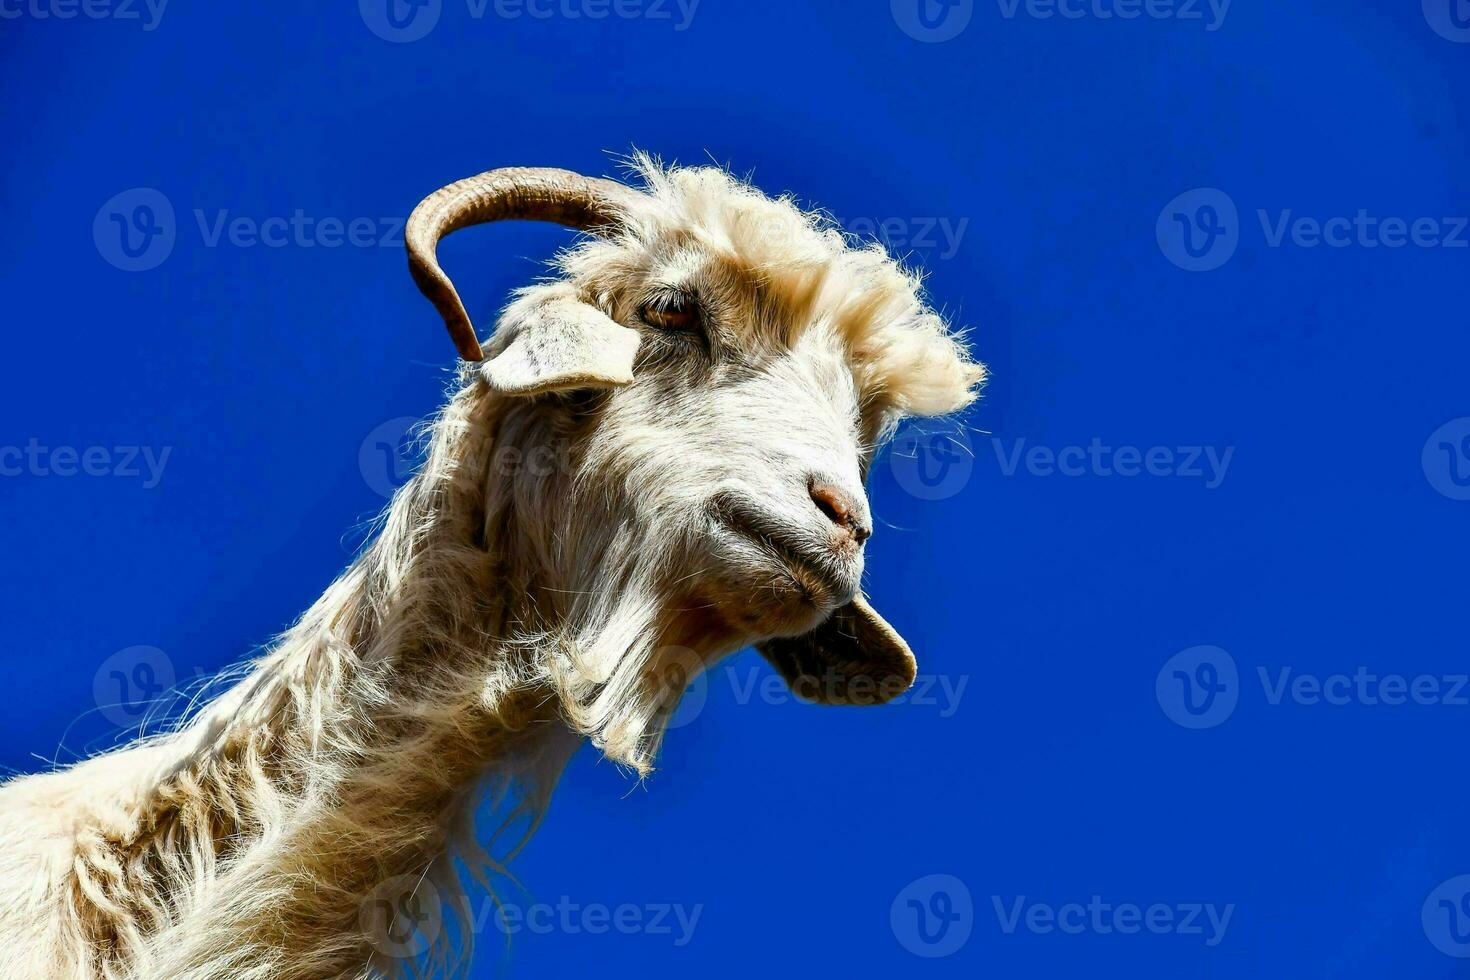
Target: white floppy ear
{"points": [[550, 340]]}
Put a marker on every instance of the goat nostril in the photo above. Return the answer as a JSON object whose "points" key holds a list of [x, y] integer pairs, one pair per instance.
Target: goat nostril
{"points": [[841, 510], [829, 503]]}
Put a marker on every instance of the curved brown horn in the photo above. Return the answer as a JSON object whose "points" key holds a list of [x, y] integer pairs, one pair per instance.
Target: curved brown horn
{"points": [[532, 193]]}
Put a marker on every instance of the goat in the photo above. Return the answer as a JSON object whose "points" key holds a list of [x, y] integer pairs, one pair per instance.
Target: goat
{"points": [[711, 372]]}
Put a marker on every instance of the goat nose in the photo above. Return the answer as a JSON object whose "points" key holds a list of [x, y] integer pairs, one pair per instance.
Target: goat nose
{"points": [[842, 509]]}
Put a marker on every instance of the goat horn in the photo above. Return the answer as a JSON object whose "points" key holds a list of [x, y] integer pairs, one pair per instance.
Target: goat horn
{"points": [[532, 193]]}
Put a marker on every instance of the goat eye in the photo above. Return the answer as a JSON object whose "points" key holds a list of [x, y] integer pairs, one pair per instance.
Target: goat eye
{"points": [[671, 311]]}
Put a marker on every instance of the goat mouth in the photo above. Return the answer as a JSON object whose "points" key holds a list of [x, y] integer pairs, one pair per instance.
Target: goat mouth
{"points": [[819, 579]]}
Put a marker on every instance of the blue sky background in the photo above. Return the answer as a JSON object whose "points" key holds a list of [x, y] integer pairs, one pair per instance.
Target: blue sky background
{"points": [[1047, 171]]}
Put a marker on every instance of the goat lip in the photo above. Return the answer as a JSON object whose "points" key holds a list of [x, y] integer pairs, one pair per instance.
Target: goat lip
{"points": [[820, 582]]}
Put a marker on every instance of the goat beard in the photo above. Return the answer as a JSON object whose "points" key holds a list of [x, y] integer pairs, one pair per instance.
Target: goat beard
{"points": [[606, 618], [624, 661]]}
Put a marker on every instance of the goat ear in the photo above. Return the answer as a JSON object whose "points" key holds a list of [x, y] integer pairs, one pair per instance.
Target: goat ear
{"points": [[549, 340], [855, 657]]}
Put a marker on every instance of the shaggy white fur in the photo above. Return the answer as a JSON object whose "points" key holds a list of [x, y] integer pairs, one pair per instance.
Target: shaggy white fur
{"points": [[566, 554]]}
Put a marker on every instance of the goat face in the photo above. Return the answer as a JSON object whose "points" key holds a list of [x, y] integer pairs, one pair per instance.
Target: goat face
{"points": [[718, 368], [737, 458]]}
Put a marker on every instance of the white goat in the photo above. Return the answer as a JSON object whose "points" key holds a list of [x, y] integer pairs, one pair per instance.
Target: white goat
{"points": [[709, 377]]}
